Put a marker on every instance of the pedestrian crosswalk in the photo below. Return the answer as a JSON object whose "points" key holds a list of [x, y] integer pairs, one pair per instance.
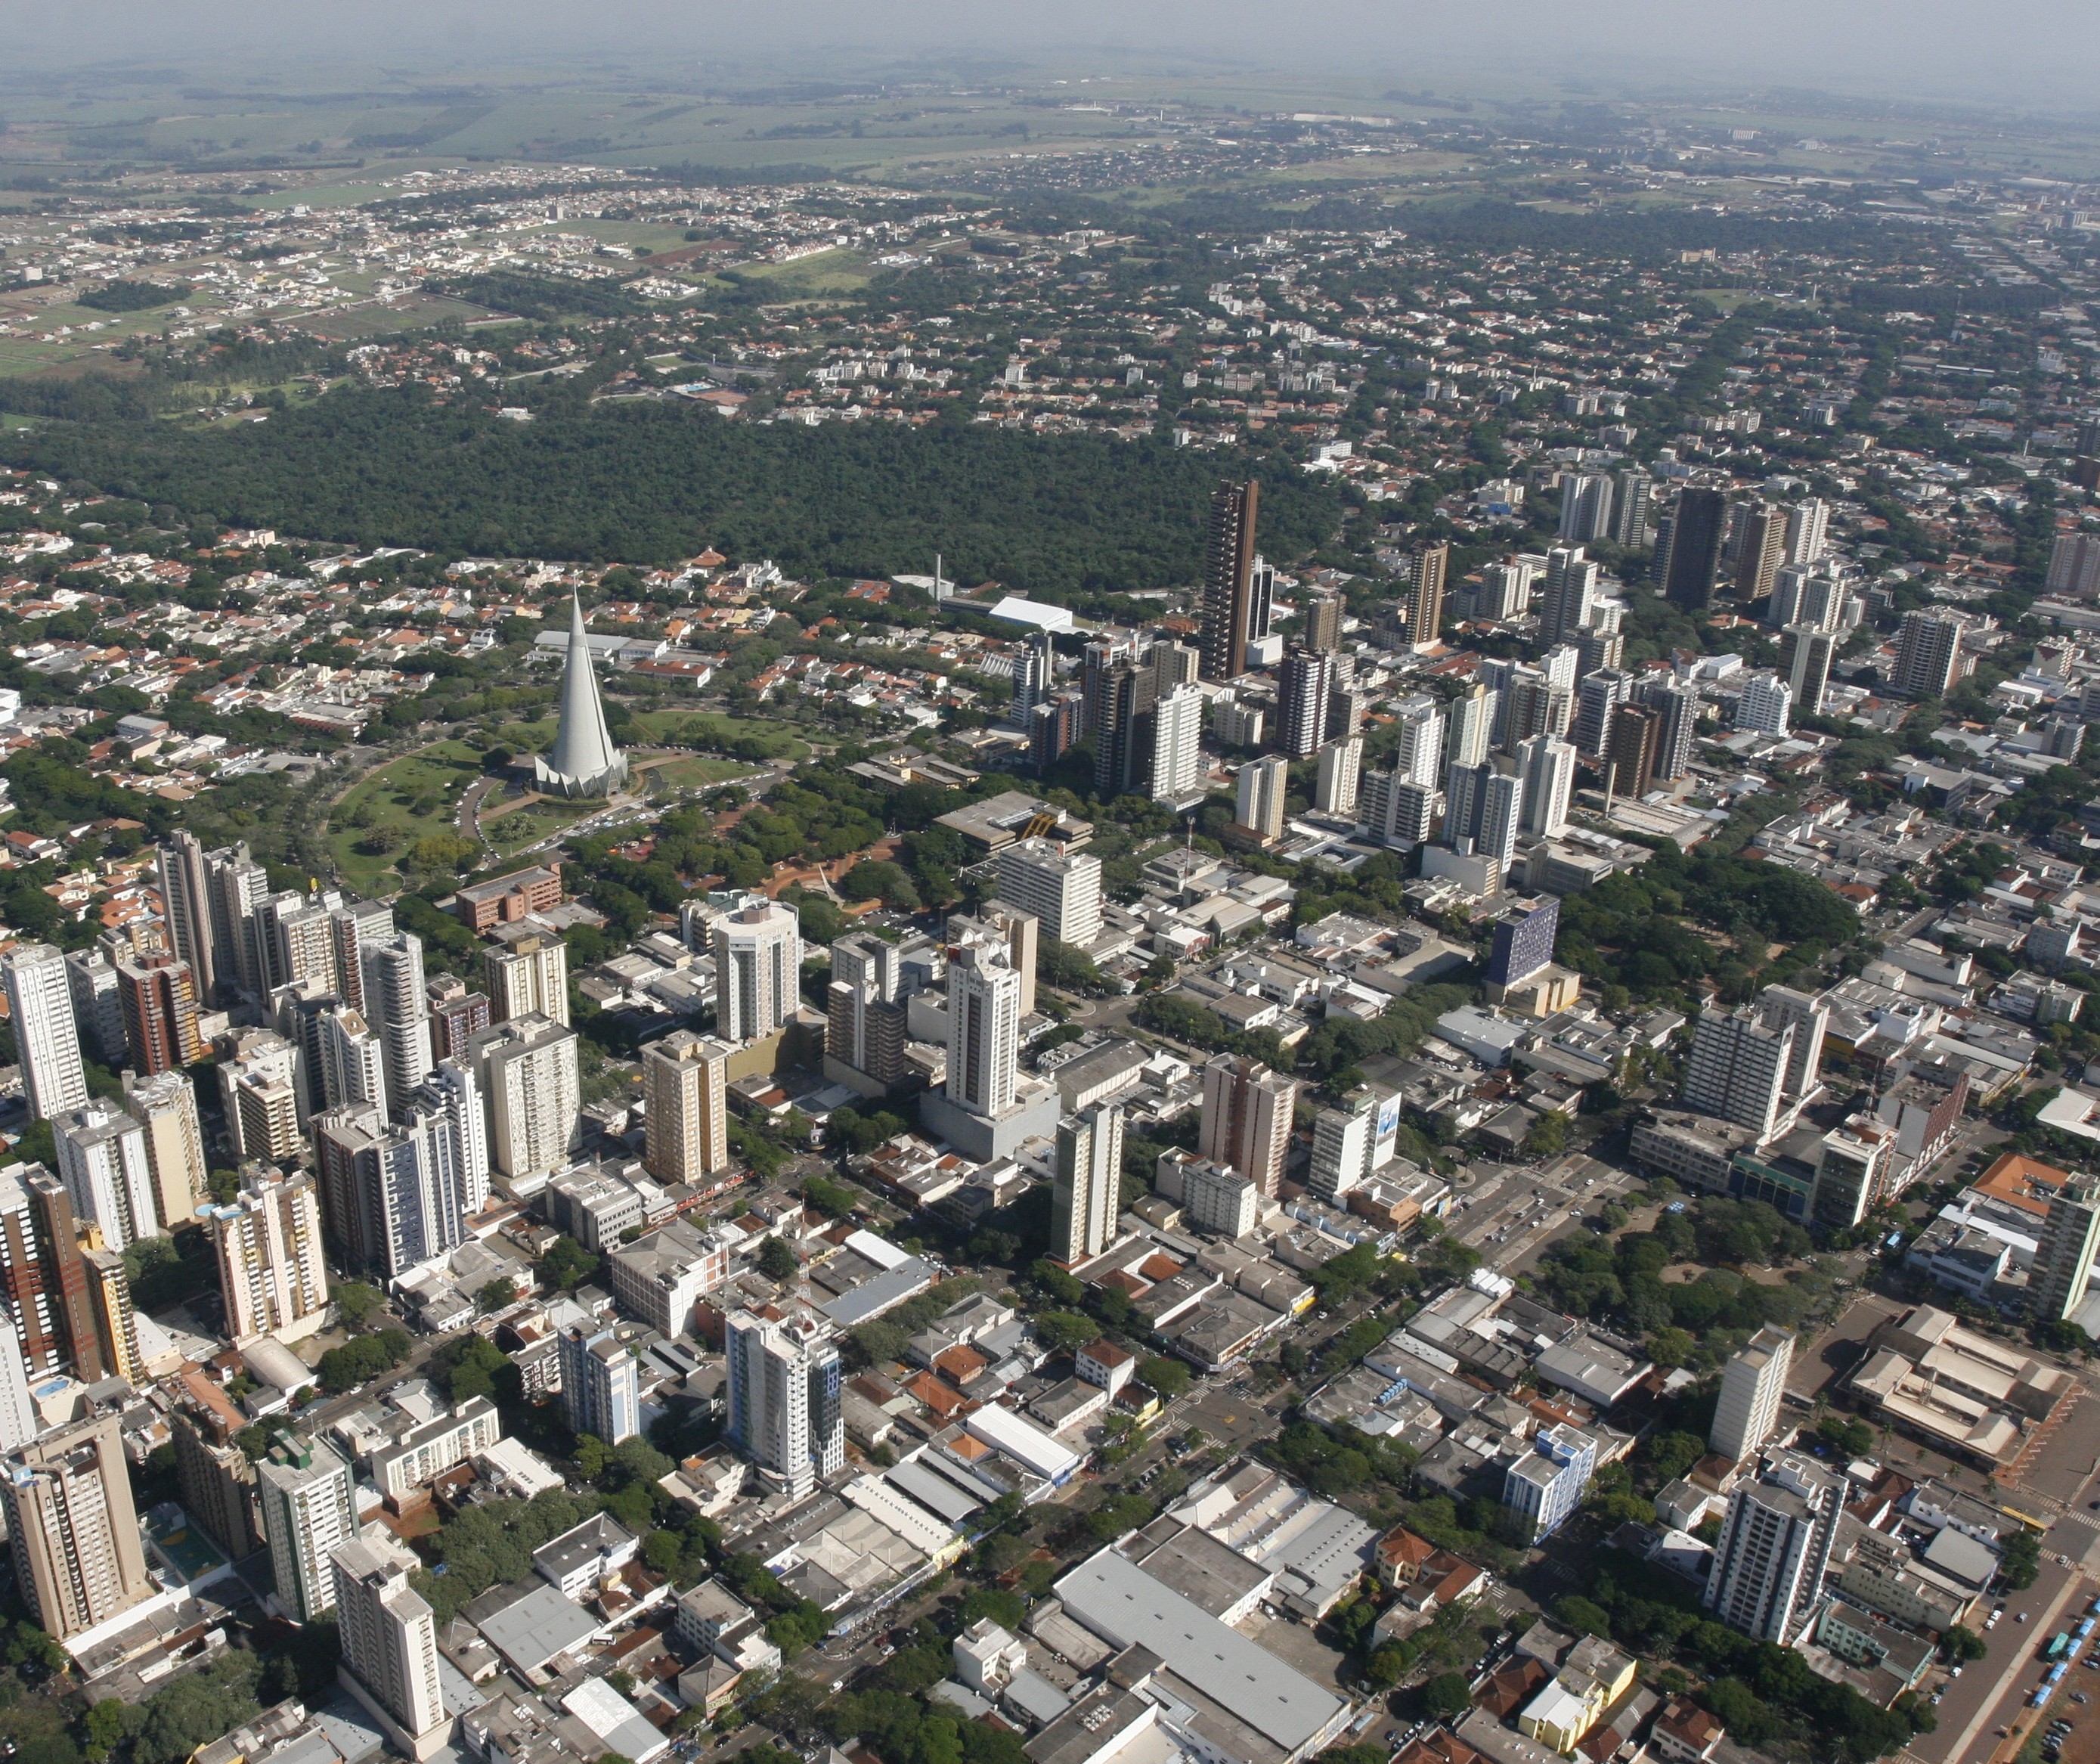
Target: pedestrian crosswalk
{"points": [[2030, 1500]]}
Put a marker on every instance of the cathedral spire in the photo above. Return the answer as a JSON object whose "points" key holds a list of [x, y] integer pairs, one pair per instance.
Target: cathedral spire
{"points": [[585, 763]]}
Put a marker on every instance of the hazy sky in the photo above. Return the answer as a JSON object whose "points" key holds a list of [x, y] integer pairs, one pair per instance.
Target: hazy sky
{"points": [[2044, 51]]}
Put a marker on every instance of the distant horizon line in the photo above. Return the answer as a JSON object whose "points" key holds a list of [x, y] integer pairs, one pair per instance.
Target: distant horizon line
{"points": [[1649, 77]]}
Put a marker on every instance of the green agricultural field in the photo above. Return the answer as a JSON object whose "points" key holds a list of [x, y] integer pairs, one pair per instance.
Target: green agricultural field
{"points": [[827, 273], [22, 355], [410, 311]]}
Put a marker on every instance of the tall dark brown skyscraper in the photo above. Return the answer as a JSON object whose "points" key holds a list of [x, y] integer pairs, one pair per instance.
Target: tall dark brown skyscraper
{"points": [[1229, 579], [1761, 551], [1425, 599], [43, 1282], [1635, 734], [1697, 525], [1123, 739]]}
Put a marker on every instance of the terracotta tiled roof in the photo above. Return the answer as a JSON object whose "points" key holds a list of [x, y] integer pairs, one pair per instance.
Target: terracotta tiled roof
{"points": [[1441, 1747], [1508, 1689], [961, 1362], [1401, 1548], [2024, 1183], [943, 1399]]}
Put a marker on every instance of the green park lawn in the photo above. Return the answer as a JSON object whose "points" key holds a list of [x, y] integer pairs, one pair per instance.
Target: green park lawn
{"points": [[409, 799], [417, 796]]}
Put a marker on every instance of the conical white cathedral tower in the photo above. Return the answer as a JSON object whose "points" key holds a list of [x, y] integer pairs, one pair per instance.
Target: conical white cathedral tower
{"points": [[584, 762]]}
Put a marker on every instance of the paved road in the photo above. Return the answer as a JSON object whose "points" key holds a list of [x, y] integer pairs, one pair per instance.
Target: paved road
{"points": [[1983, 1714], [1991, 1693]]}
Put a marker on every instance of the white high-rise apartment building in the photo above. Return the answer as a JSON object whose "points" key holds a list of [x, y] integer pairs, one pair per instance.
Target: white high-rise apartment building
{"points": [[1341, 775], [1421, 756], [390, 1643], [1929, 654], [526, 1070], [1342, 1139], [1177, 751], [1748, 1413], [1565, 604], [1810, 1015], [2063, 1259], [1737, 1069], [984, 1028], [40, 1005], [1062, 888], [309, 1500], [398, 1193], [1805, 654], [1828, 602], [1218, 1200], [240, 897], [351, 1059], [1789, 585], [601, 1384], [98, 1005], [1775, 1547], [397, 1004], [1034, 676], [300, 938], [2074, 564], [356, 927], [1464, 787], [1470, 722], [20, 1422], [74, 1528], [1247, 1112], [1807, 521], [184, 870], [1546, 764], [526, 977], [272, 1271], [1262, 783], [1585, 506], [1305, 683], [261, 1089], [1398, 811], [164, 1106], [1502, 816], [1763, 704], [785, 1413], [758, 971], [1086, 1198], [1505, 589], [450, 1113], [1532, 705], [684, 1089], [1019, 932], [102, 1161]]}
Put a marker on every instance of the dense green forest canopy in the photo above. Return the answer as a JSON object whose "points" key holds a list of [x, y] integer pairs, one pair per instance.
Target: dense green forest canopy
{"points": [[1045, 515]]}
